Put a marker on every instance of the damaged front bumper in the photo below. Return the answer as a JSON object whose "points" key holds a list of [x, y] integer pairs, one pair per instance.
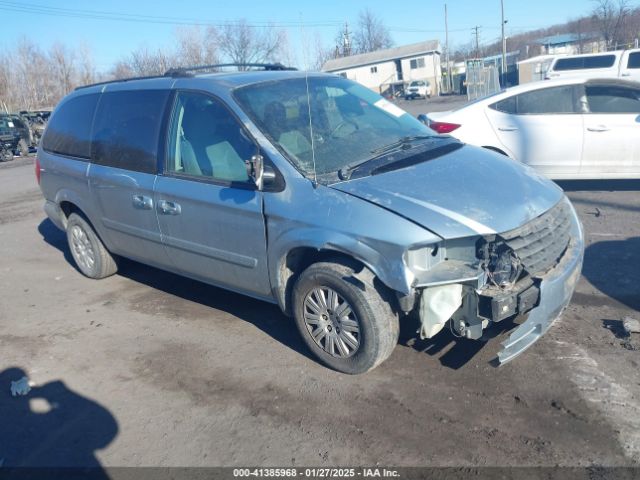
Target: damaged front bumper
{"points": [[466, 299], [556, 289]]}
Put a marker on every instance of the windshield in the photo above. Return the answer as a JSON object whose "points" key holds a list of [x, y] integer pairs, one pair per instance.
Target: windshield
{"points": [[341, 124]]}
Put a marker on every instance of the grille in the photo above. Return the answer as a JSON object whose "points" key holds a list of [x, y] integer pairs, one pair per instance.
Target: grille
{"points": [[540, 243]]}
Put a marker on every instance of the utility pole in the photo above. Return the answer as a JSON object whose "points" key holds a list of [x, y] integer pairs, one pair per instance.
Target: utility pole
{"points": [[346, 41], [504, 46], [446, 29], [476, 30]]}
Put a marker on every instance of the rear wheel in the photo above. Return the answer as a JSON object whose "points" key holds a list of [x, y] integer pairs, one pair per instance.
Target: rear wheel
{"points": [[23, 148], [343, 317], [91, 256]]}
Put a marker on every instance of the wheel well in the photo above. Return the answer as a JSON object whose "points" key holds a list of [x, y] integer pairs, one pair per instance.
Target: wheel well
{"points": [[495, 149], [68, 208], [298, 259]]}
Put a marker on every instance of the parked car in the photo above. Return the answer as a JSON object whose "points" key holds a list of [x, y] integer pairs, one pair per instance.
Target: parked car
{"points": [[617, 64], [37, 120], [21, 126], [565, 129], [9, 139], [418, 89], [315, 193]]}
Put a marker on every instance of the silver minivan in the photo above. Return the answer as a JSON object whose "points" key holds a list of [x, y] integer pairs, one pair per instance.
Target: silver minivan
{"points": [[315, 193]]}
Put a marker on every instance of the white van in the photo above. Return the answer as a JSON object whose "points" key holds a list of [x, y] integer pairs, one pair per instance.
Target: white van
{"points": [[620, 63]]}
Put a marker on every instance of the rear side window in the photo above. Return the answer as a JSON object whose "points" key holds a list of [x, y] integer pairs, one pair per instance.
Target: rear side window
{"points": [[612, 99], [508, 105], [546, 101], [585, 63], [69, 130], [127, 129], [634, 60]]}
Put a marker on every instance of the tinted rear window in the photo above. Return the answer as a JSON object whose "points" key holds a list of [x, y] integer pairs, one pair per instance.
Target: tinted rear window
{"points": [[546, 101], [127, 128], [69, 131], [508, 105], [585, 63], [634, 60]]}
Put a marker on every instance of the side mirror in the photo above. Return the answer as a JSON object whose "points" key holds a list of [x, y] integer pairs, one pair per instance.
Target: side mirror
{"points": [[255, 170], [261, 174], [424, 119]]}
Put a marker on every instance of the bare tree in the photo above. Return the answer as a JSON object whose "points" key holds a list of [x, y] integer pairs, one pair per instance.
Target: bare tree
{"points": [[242, 43], [371, 34], [197, 46], [86, 68], [322, 55], [143, 62], [610, 18], [62, 68]]}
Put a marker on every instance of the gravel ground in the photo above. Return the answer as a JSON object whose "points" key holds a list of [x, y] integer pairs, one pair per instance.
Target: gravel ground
{"points": [[146, 368]]}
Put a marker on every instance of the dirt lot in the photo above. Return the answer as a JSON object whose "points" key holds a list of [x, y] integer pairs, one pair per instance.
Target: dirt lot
{"points": [[147, 368]]}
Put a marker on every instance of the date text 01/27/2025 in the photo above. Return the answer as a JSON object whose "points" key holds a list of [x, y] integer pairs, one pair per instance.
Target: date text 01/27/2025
{"points": [[316, 472]]}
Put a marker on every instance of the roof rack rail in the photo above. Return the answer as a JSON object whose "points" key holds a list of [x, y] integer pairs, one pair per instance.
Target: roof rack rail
{"points": [[187, 71], [128, 79]]}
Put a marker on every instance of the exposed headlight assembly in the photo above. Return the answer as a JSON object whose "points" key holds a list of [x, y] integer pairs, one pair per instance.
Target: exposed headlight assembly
{"points": [[500, 263]]}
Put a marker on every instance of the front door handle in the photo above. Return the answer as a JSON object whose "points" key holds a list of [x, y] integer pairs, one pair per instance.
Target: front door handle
{"points": [[625, 75], [508, 129], [169, 208], [142, 202], [599, 128]]}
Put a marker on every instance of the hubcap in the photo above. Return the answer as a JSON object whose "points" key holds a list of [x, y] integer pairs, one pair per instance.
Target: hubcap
{"points": [[82, 248], [331, 322]]}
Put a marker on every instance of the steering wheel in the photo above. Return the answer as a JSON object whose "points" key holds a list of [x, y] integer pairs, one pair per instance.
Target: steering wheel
{"points": [[341, 125]]}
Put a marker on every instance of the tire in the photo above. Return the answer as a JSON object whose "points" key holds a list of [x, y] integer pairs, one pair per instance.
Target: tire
{"points": [[6, 155], [23, 148], [85, 245], [372, 322]]}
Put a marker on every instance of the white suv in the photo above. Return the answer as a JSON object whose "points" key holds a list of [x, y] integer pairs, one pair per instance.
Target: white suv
{"points": [[418, 89]]}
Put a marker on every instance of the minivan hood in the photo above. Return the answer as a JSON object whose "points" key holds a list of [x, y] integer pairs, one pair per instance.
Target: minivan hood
{"points": [[469, 191]]}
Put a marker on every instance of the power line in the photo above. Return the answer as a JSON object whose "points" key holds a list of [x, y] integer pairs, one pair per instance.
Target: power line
{"points": [[137, 18], [40, 9]]}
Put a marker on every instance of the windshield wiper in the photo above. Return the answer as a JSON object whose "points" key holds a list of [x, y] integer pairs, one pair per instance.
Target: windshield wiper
{"points": [[403, 143]]}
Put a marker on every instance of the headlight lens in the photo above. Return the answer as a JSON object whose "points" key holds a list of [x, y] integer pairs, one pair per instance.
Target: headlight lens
{"points": [[501, 264]]}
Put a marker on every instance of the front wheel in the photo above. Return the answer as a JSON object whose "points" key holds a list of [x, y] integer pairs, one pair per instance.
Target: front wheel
{"points": [[6, 155], [343, 317]]}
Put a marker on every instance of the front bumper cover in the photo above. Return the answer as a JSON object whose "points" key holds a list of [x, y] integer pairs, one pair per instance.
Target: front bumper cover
{"points": [[556, 289]]}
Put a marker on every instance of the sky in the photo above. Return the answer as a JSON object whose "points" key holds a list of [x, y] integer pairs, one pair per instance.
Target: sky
{"points": [[132, 24]]}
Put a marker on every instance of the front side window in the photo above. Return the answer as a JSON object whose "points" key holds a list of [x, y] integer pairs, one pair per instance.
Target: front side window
{"points": [[323, 124], [127, 128], [613, 99], [546, 101], [206, 141], [69, 130]]}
